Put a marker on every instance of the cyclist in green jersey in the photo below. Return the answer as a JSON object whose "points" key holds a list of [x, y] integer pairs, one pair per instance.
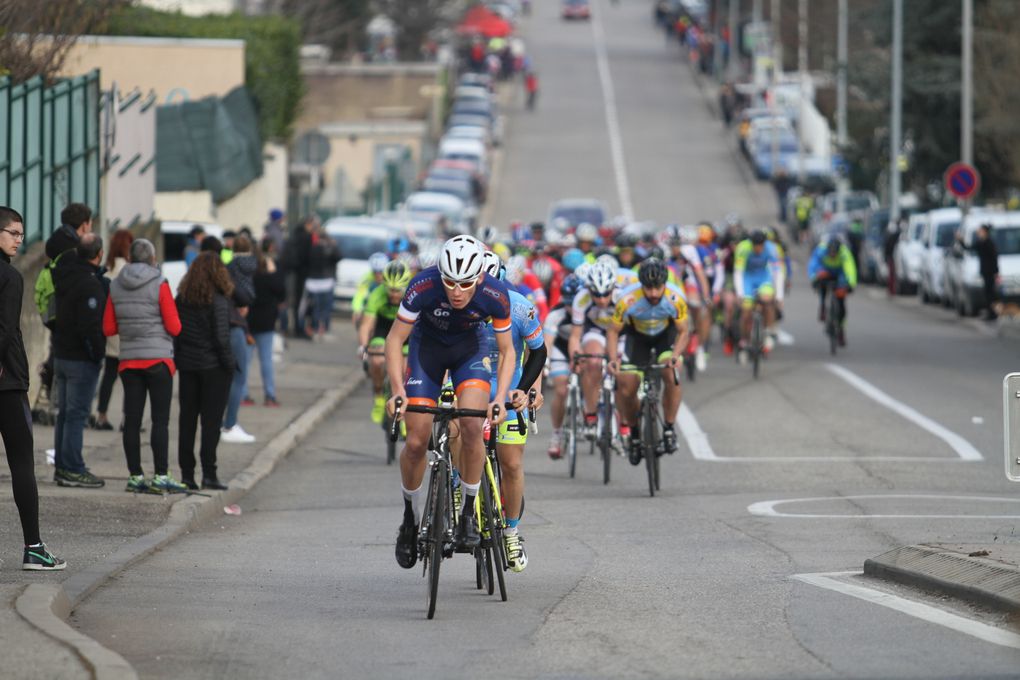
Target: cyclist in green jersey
{"points": [[379, 312], [372, 279]]}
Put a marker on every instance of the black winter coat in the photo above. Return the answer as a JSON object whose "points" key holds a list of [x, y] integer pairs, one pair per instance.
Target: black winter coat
{"points": [[270, 292], [988, 257], [62, 240], [13, 360], [81, 300], [204, 340], [242, 270]]}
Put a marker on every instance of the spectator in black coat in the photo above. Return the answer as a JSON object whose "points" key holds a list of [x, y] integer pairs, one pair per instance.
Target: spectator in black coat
{"points": [[15, 419], [988, 259], [270, 295], [79, 349], [296, 256], [206, 364], [322, 261], [242, 270]]}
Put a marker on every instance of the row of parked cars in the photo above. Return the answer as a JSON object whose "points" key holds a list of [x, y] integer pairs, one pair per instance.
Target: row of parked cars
{"points": [[934, 255]]}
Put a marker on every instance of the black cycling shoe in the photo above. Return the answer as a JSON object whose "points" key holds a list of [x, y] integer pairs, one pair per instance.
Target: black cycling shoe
{"points": [[467, 538], [407, 545], [634, 452], [669, 440]]}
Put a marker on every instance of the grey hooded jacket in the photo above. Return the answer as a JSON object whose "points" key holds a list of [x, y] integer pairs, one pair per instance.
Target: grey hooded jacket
{"points": [[135, 296]]}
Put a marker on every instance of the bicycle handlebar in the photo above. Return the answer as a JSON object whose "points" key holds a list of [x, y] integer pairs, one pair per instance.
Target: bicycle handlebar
{"points": [[448, 414], [645, 368]]}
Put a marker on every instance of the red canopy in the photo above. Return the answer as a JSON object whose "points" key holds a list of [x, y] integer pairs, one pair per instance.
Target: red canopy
{"points": [[480, 19]]}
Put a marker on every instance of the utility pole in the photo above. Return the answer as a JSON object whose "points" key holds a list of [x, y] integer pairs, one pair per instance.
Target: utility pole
{"points": [[802, 78], [717, 24], [897, 112], [777, 67], [841, 75], [967, 88], [756, 11], [733, 72]]}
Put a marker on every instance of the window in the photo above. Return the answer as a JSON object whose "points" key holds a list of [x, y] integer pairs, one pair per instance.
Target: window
{"points": [[173, 247], [1007, 240]]}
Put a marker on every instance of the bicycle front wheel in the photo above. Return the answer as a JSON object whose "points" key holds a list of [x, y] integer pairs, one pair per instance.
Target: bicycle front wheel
{"points": [[497, 548], [570, 432], [650, 442], [756, 343], [436, 534], [605, 437]]}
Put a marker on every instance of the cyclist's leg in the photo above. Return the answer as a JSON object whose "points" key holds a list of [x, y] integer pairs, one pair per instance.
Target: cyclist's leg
{"points": [[672, 392], [822, 294], [842, 290], [559, 375], [511, 454], [636, 352], [766, 293], [471, 376], [593, 342]]}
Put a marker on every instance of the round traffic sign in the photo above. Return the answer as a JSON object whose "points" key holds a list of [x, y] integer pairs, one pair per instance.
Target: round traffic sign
{"points": [[962, 180]]}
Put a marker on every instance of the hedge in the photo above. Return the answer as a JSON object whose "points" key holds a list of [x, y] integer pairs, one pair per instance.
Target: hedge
{"points": [[272, 55]]}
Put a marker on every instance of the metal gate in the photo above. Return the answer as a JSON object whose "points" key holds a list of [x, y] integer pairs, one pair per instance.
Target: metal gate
{"points": [[49, 149]]}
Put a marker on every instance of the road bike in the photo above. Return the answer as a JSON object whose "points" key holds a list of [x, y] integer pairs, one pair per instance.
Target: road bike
{"points": [[756, 346], [607, 420], [439, 518], [651, 419], [832, 314], [573, 412]]}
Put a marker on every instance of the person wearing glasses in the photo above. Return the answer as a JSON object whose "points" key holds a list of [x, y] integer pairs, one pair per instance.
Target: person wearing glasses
{"points": [[443, 319], [15, 415], [592, 316]]}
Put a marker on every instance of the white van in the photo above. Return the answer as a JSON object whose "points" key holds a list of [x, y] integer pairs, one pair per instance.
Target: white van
{"points": [[939, 236], [175, 240], [467, 150], [908, 254], [963, 267]]}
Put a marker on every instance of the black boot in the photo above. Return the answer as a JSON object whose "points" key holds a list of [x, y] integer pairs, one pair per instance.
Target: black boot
{"points": [[213, 483], [188, 480]]}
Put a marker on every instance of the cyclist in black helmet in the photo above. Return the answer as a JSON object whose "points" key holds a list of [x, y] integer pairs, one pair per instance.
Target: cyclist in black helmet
{"points": [[652, 315]]}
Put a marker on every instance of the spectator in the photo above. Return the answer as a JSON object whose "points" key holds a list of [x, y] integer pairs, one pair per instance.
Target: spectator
{"points": [[531, 88], [142, 312], [79, 347], [116, 260], [892, 237], [211, 244], [270, 293], [242, 268], [276, 229], [206, 362], [194, 247], [988, 258], [227, 251], [321, 281], [296, 255], [15, 421]]}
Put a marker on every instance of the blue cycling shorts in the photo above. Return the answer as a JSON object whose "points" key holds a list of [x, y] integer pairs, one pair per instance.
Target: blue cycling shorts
{"points": [[754, 282], [428, 360]]}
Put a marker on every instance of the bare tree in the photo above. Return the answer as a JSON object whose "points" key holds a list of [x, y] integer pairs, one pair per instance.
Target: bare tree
{"points": [[340, 24], [36, 36], [415, 20]]}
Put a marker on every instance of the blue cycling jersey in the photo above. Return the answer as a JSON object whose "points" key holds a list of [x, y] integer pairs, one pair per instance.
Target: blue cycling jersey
{"points": [[426, 304], [525, 330]]}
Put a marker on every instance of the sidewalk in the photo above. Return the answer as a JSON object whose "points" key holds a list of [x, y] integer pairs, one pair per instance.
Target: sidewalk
{"points": [[987, 575], [99, 531]]}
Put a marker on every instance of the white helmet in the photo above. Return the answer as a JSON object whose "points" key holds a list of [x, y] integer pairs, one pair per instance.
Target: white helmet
{"points": [[489, 234], [601, 278], [582, 272], [515, 268], [461, 259], [428, 258], [378, 262], [587, 232], [543, 270], [608, 260], [491, 263]]}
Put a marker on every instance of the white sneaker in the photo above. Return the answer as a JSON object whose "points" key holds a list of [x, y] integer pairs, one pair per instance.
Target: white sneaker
{"points": [[236, 435], [701, 360]]}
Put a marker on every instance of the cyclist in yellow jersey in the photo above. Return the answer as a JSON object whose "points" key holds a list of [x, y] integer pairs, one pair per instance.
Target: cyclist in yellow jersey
{"points": [[653, 317], [369, 282]]}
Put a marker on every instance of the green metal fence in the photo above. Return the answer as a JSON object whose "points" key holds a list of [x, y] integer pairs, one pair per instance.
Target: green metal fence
{"points": [[49, 149]]}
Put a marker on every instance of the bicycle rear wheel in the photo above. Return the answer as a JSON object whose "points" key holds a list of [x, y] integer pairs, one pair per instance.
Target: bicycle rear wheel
{"points": [[649, 443], [570, 432], [832, 325], [496, 548], [756, 343], [605, 433], [436, 533]]}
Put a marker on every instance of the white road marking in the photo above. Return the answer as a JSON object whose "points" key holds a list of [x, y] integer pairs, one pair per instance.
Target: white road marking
{"points": [[963, 448], [768, 508], [697, 440], [612, 118], [960, 624]]}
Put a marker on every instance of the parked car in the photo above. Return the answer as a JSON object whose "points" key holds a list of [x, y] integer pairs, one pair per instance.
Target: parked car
{"points": [[938, 237], [575, 211], [908, 254], [874, 268], [429, 204], [478, 79], [857, 205], [175, 240], [482, 134], [963, 275], [575, 9], [762, 158], [358, 238], [466, 91], [470, 150]]}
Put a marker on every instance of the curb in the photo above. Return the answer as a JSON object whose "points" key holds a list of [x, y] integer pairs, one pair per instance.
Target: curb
{"points": [[46, 607], [975, 579]]}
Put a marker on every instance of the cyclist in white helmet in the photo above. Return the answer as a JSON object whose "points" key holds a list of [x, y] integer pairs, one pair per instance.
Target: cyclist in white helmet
{"points": [[443, 319], [592, 315], [587, 235], [377, 263]]}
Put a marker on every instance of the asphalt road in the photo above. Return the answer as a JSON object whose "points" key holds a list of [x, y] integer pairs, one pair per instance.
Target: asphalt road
{"points": [[895, 441]]}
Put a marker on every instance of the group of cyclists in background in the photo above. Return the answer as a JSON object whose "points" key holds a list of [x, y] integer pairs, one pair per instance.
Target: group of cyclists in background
{"points": [[500, 315]]}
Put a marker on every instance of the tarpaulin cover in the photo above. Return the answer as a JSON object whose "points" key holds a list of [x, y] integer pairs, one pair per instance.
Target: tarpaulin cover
{"points": [[211, 144]]}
